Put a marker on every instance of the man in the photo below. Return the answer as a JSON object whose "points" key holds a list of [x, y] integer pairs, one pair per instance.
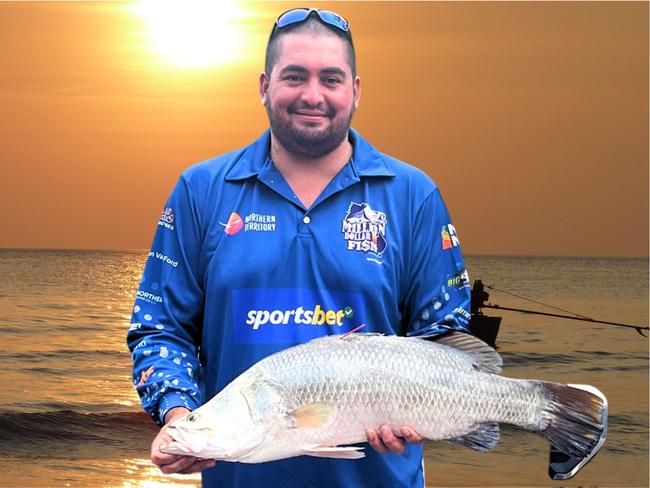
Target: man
{"points": [[308, 231]]}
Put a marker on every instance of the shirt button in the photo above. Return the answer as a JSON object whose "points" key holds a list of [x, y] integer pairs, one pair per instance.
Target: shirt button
{"points": [[306, 219]]}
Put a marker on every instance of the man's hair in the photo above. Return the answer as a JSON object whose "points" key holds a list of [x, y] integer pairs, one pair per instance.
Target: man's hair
{"points": [[312, 25]]}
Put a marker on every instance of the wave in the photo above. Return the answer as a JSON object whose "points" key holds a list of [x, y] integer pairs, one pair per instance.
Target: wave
{"points": [[606, 360], [63, 354], [48, 327], [73, 434]]}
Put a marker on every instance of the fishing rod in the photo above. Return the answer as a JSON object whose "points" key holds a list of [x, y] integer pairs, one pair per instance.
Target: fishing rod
{"points": [[479, 297], [638, 328]]}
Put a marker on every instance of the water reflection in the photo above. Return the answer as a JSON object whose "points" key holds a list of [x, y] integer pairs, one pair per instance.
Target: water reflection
{"points": [[143, 474]]}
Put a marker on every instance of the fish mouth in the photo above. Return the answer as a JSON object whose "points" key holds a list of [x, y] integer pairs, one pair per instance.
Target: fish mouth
{"points": [[189, 442], [175, 447]]}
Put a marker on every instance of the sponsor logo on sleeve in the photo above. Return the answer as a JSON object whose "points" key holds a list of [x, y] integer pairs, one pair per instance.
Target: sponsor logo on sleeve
{"points": [[148, 297], [449, 237], [167, 218], [293, 315], [364, 229], [164, 258], [462, 315], [460, 280]]}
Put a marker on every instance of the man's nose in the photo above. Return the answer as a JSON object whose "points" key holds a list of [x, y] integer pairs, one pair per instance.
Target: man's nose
{"points": [[312, 93]]}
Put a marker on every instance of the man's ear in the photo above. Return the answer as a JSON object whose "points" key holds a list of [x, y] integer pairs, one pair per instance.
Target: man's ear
{"points": [[264, 86], [356, 91]]}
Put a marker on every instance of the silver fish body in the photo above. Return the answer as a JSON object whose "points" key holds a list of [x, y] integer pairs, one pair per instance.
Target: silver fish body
{"points": [[316, 398]]}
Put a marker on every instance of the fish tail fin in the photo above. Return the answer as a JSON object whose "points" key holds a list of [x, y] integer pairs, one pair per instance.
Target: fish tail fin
{"points": [[575, 421]]}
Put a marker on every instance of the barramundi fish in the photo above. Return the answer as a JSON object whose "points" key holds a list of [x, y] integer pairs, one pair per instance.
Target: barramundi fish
{"points": [[317, 398]]}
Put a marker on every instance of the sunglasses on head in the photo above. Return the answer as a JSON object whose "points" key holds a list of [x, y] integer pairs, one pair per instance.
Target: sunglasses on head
{"points": [[297, 15]]}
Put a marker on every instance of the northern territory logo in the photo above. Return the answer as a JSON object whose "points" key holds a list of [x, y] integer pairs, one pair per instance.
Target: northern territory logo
{"points": [[252, 222], [234, 224], [364, 229], [167, 218], [449, 237]]}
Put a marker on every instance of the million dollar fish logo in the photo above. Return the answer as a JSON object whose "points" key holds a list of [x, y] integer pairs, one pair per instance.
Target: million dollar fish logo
{"points": [[364, 229]]}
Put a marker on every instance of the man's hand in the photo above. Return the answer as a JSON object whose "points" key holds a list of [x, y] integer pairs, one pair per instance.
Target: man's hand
{"points": [[173, 463], [384, 440]]}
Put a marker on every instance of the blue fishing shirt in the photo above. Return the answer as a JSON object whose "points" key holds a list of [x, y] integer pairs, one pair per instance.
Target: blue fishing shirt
{"points": [[240, 269]]}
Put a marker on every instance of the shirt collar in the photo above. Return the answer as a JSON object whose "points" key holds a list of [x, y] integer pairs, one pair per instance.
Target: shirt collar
{"points": [[367, 161]]}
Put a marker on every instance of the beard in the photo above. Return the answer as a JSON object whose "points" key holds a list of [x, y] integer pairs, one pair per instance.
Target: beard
{"points": [[308, 144]]}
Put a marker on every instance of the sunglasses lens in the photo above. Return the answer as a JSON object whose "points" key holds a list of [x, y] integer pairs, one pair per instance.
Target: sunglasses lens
{"points": [[292, 16], [333, 19]]}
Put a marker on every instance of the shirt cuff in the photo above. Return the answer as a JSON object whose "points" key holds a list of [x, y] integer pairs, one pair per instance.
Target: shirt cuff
{"points": [[172, 400], [431, 330]]}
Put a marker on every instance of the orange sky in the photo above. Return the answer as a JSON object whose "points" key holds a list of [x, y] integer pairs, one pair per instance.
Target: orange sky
{"points": [[532, 117]]}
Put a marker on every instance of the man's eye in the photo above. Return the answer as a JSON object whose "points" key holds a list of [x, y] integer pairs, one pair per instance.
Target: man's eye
{"points": [[332, 81], [294, 78]]}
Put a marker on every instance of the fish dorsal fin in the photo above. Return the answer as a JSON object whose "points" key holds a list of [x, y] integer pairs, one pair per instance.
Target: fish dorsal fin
{"points": [[482, 439], [483, 356], [312, 416]]}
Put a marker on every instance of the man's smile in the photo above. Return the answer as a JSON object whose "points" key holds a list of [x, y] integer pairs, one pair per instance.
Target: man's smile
{"points": [[309, 115]]}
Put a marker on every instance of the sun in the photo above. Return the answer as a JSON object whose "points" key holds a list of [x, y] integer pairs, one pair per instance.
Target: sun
{"points": [[193, 33]]}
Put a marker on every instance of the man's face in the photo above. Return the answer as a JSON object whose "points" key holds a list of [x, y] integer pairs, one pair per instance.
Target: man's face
{"points": [[310, 95]]}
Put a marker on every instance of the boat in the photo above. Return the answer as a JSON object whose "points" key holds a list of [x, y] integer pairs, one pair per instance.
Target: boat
{"points": [[482, 326], [486, 327]]}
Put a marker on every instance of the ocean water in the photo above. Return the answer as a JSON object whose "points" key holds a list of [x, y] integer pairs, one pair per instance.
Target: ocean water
{"points": [[70, 417]]}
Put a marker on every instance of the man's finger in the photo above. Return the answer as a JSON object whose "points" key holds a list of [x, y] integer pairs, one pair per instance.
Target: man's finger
{"points": [[393, 443], [410, 435], [181, 464], [199, 466], [163, 459], [158, 457], [375, 441]]}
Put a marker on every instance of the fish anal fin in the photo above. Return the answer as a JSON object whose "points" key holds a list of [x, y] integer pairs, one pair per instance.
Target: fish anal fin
{"points": [[484, 358], [312, 416], [338, 452], [482, 439]]}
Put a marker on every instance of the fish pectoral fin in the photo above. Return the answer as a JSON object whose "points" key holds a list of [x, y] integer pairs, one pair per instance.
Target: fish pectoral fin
{"points": [[311, 416], [338, 452], [484, 438]]}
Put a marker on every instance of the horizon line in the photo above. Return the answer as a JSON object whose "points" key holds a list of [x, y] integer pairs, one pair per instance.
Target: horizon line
{"points": [[92, 249]]}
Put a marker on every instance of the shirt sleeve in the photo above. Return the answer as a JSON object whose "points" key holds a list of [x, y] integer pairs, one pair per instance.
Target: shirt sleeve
{"points": [[438, 295], [166, 323]]}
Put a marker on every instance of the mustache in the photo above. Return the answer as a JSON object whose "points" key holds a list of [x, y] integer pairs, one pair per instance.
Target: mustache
{"points": [[322, 109]]}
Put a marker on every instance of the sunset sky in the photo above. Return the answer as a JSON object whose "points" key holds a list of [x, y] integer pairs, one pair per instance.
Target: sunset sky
{"points": [[532, 117]]}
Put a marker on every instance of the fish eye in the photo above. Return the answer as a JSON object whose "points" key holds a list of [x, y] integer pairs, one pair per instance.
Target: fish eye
{"points": [[191, 417]]}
